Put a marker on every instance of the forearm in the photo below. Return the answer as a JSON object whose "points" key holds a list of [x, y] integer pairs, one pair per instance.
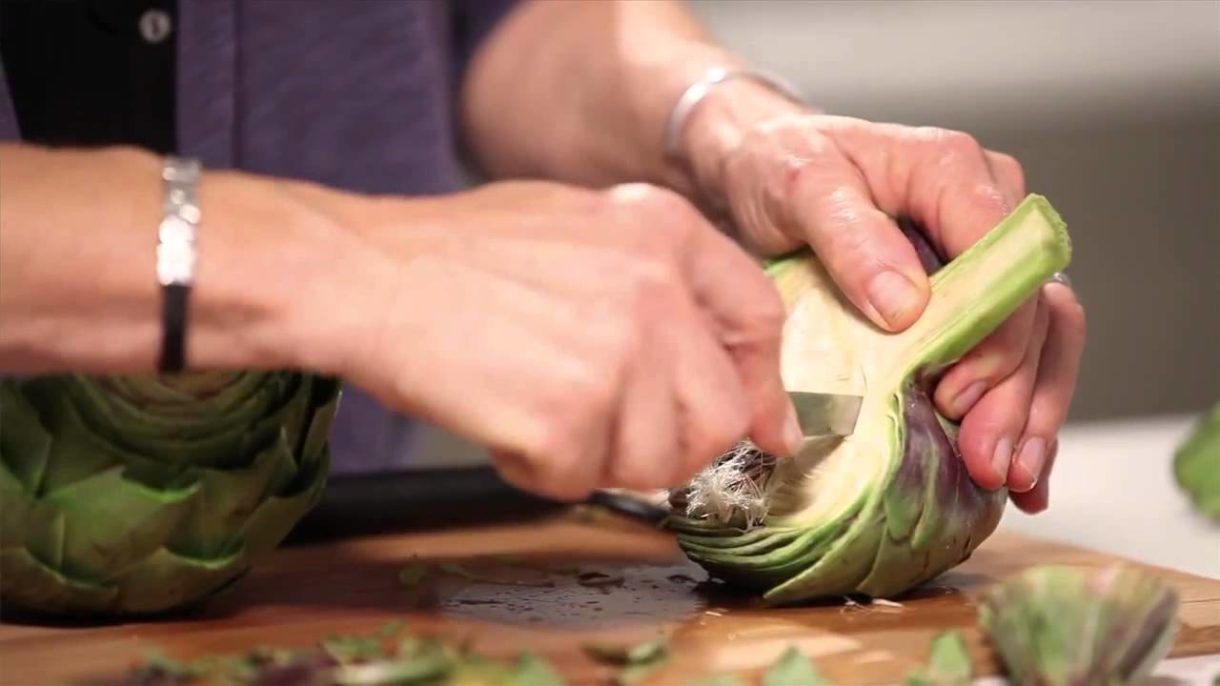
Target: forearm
{"points": [[77, 252], [582, 91]]}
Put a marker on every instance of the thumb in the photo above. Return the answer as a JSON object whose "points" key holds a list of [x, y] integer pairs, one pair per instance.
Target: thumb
{"points": [[862, 248]]}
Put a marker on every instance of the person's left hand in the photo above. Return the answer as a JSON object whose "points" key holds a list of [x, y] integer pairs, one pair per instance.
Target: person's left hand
{"points": [[789, 177]]}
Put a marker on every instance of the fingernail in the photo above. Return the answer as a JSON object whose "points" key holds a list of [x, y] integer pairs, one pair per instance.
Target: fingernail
{"points": [[1031, 459], [893, 296], [966, 398], [794, 438], [1002, 457]]}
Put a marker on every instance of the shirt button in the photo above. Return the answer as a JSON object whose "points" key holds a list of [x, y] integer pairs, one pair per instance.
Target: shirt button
{"points": [[155, 25]]}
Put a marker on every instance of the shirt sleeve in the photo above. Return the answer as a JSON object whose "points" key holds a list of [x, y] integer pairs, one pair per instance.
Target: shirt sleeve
{"points": [[8, 116], [473, 20]]}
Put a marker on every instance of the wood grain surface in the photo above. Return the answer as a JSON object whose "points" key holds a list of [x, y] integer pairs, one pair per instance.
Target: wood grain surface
{"points": [[536, 601]]}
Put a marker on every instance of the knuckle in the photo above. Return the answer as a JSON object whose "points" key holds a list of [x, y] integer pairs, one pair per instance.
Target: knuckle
{"points": [[669, 213], [768, 314], [960, 143], [717, 434], [615, 339], [633, 473], [554, 442], [1010, 165], [685, 472], [578, 405], [948, 142], [1068, 310], [843, 238], [1008, 356], [566, 489], [1078, 323], [648, 197], [604, 204], [987, 194], [763, 323], [1074, 312], [593, 386], [648, 278], [540, 473], [998, 356], [560, 470]]}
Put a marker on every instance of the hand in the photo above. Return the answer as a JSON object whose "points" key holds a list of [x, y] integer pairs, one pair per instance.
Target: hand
{"points": [[590, 339], [790, 178]]}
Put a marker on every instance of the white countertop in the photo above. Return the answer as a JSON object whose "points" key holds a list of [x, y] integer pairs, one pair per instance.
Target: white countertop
{"points": [[1113, 490]]}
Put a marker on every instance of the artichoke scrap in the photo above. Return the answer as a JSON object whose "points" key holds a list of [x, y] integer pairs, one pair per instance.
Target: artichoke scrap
{"points": [[1064, 626], [143, 494], [1196, 464], [892, 505]]}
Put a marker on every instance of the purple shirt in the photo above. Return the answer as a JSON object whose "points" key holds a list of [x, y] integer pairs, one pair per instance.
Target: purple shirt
{"points": [[355, 95]]}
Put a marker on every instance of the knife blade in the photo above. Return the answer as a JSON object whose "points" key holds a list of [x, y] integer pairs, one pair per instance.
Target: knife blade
{"points": [[826, 414]]}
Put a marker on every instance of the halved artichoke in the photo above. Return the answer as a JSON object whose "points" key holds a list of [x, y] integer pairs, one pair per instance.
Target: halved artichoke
{"points": [[1196, 464], [892, 505], [133, 495], [1062, 626]]}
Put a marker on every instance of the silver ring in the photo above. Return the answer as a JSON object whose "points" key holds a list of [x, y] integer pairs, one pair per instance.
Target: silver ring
{"points": [[1061, 277]]}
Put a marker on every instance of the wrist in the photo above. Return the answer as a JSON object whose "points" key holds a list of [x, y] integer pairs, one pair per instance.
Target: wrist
{"points": [[349, 253], [719, 123], [263, 257]]}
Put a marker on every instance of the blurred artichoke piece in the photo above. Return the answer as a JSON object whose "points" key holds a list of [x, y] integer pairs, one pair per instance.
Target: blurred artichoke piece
{"points": [[143, 494], [1197, 464], [1069, 626], [949, 663]]}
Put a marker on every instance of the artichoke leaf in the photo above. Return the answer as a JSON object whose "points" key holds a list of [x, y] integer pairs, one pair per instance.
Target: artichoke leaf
{"points": [[15, 507], [1196, 464], [323, 406], [276, 516], [25, 444], [227, 498], [31, 585], [99, 526], [222, 440]]}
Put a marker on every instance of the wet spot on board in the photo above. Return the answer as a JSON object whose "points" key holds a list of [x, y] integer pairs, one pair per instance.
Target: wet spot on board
{"points": [[593, 594]]}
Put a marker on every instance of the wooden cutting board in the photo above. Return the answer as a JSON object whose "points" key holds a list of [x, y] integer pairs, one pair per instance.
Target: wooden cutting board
{"points": [[302, 594]]}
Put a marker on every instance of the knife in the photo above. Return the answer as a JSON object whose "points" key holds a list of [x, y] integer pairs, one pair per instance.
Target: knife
{"points": [[819, 415], [826, 414]]}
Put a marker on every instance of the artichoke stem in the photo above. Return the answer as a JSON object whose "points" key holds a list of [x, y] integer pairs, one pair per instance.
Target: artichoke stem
{"points": [[983, 286]]}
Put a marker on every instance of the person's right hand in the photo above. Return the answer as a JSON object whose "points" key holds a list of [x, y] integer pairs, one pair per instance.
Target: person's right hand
{"points": [[589, 339]]}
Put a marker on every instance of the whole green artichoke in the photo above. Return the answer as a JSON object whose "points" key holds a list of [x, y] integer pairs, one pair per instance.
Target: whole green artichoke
{"points": [[143, 494]]}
